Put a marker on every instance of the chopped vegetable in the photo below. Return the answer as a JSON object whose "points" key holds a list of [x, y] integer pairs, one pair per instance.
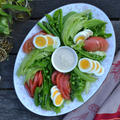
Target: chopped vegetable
{"points": [[33, 56], [73, 25], [67, 16], [96, 44], [28, 45], [77, 86], [84, 76], [44, 96], [99, 56], [87, 87], [43, 27], [98, 27], [54, 25], [36, 95]]}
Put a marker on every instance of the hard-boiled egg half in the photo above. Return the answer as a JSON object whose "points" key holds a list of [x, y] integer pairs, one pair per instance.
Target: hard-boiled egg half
{"points": [[53, 40], [56, 96], [90, 66], [42, 41], [83, 35]]}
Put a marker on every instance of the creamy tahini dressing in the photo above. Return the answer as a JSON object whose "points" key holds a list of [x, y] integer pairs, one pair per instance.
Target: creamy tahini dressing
{"points": [[64, 59]]}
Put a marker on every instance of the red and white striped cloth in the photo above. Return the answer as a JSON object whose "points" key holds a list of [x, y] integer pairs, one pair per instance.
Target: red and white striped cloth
{"points": [[105, 102]]}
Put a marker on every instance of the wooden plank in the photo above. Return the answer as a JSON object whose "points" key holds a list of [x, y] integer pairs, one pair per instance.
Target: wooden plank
{"points": [[12, 109], [6, 67], [6, 72], [22, 29], [41, 7]]}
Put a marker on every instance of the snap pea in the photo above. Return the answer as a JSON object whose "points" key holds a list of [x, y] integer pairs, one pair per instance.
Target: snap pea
{"points": [[55, 16], [56, 19], [50, 20], [93, 56], [43, 27], [36, 95], [84, 76], [60, 20], [52, 23], [50, 28]]}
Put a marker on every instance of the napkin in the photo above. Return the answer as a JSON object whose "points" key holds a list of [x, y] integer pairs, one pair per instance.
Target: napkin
{"points": [[88, 110], [111, 108]]}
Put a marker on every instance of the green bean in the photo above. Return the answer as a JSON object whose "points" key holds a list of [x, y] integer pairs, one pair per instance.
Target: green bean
{"points": [[43, 27], [60, 20], [36, 96]]}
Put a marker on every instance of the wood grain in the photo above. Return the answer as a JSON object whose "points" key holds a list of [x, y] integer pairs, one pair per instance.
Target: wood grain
{"points": [[41, 7], [12, 109]]}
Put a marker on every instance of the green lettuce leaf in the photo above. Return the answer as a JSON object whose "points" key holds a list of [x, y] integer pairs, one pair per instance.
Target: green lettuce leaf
{"points": [[73, 25], [98, 27], [33, 56]]}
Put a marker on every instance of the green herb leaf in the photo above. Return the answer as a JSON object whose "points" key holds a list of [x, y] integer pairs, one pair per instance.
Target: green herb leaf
{"points": [[15, 7]]}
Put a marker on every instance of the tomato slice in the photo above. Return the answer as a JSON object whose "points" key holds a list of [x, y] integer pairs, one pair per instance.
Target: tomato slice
{"points": [[90, 45], [54, 75], [66, 84], [36, 79], [96, 44], [31, 87], [61, 81], [28, 45], [40, 79], [28, 89], [58, 79]]}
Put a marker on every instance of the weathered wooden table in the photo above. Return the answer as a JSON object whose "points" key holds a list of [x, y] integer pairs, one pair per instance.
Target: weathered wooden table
{"points": [[10, 106]]}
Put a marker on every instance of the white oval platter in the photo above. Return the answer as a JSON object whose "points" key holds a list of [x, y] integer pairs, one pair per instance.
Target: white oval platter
{"points": [[18, 81]]}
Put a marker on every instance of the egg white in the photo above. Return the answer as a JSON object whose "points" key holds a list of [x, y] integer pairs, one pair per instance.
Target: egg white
{"points": [[92, 71], [55, 99], [53, 93], [86, 33], [37, 45], [77, 35], [56, 42], [53, 88], [97, 70], [101, 73], [89, 32], [50, 37], [85, 70]]}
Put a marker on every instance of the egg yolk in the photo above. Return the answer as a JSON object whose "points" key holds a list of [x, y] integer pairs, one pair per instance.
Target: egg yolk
{"points": [[85, 64], [40, 41], [93, 66], [97, 66], [80, 38], [50, 40], [100, 70], [58, 99], [54, 93]]}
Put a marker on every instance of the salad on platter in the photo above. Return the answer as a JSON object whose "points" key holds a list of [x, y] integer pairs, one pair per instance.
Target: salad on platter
{"points": [[64, 58]]}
